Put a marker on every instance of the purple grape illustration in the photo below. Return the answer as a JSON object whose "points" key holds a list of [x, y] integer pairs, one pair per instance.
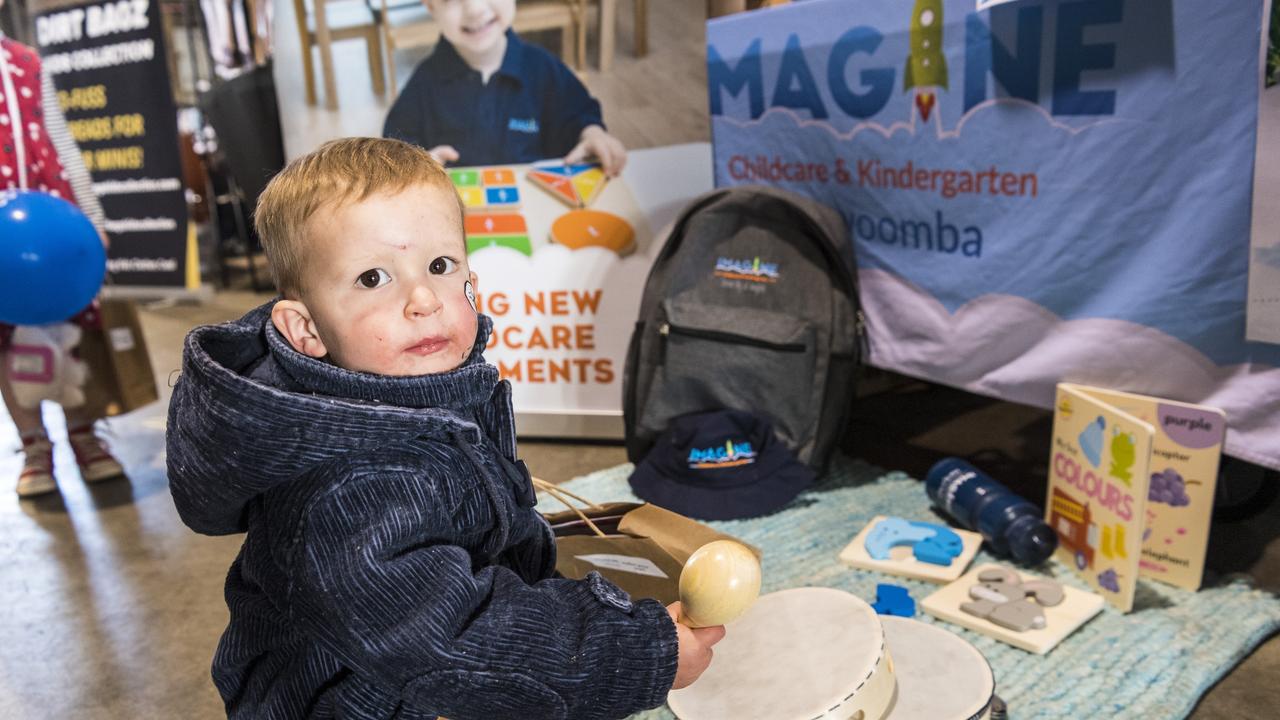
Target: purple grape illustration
{"points": [[1109, 580], [1169, 488]]}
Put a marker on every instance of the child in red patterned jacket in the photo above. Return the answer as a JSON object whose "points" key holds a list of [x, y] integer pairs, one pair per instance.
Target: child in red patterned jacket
{"points": [[38, 153]]}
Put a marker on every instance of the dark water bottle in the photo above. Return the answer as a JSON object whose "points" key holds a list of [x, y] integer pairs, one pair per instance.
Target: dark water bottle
{"points": [[1011, 525]]}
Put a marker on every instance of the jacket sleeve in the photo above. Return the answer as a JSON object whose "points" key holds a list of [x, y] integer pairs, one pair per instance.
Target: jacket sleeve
{"points": [[375, 580], [68, 153]]}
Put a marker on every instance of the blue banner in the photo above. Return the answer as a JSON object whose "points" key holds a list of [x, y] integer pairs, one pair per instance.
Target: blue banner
{"points": [[1039, 192]]}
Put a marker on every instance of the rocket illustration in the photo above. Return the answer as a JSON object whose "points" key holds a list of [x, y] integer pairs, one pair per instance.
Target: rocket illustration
{"points": [[926, 65]]}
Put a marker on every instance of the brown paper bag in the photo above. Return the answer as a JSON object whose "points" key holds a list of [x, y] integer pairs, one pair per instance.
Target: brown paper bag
{"points": [[639, 547], [120, 376]]}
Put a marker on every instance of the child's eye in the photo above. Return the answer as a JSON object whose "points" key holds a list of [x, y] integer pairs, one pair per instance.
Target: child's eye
{"points": [[373, 278], [443, 266]]}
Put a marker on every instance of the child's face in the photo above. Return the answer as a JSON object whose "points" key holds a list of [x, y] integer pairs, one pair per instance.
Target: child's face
{"points": [[386, 283], [473, 26]]}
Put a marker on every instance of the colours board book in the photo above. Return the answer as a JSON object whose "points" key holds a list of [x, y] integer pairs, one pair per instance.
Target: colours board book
{"points": [[1097, 496], [1183, 478]]}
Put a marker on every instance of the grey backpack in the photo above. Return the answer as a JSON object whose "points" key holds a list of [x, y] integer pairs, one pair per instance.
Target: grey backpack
{"points": [[750, 305]]}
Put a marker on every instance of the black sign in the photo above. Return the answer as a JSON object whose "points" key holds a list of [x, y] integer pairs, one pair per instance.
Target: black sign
{"points": [[108, 62]]}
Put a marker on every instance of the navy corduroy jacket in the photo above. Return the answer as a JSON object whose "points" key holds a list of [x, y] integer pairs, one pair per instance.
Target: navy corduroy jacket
{"points": [[393, 566]]}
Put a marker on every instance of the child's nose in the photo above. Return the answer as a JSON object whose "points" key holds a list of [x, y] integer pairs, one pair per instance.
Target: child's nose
{"points": [[422, 301]]}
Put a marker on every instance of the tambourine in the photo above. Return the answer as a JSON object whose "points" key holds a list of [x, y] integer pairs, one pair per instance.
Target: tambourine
{"points": [[811, 653]]}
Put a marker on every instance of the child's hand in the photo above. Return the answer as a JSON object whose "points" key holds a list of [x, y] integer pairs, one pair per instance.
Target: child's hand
{"points": [[595, 142], [444, 154], [695, 648]]}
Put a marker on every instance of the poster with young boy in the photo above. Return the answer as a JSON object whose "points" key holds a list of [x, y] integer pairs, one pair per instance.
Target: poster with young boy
{"points": [[562, 219], [1041, 190]]}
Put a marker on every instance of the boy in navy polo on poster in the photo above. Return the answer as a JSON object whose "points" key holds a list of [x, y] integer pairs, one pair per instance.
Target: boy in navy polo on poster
{"points": [[485, 97]]}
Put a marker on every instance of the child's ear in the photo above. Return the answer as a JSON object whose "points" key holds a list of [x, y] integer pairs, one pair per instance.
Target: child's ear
{"points": [[294, 322]]}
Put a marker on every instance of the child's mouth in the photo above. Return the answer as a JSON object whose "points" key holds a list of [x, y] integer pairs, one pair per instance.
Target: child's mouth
{"points": [[477, 29], [428, 346]]}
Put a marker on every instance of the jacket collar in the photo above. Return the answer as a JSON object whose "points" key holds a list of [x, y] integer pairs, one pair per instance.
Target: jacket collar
{"points": [[466, 386]]}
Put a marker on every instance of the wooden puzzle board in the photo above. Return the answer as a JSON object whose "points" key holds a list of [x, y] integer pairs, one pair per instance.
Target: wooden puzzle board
{"points": [[1077, 608], [901, 560]]}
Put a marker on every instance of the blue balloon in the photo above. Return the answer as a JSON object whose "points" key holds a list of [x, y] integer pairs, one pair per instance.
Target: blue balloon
{"points": [[51, 259]]}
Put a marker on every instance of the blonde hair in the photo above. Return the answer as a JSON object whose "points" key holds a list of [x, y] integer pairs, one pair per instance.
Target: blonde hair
{"points": [[338, 172]]}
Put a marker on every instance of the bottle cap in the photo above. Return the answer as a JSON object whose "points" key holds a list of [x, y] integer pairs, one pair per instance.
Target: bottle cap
{"points": [[1031, 541]]}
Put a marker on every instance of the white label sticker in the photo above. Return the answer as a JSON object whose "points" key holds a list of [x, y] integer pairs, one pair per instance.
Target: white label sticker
{"points": [[121, 339], [625, 563]]}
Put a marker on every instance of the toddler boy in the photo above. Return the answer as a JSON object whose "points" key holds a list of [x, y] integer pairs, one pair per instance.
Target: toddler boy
{"points": [[394, 565]]}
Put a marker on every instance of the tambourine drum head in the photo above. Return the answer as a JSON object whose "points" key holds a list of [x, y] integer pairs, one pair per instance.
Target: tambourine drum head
{"points": [[940, 675], [796, 654]]}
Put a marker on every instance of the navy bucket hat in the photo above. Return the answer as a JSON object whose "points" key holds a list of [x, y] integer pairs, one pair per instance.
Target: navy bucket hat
{"points": [[720, 465]]}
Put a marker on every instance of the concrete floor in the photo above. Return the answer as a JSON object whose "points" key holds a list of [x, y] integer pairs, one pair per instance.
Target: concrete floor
{"points": [[111, 608]]}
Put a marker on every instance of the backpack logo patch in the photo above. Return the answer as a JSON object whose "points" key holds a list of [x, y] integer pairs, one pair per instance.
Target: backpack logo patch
{"points": [[751, 270], [730, 454]]}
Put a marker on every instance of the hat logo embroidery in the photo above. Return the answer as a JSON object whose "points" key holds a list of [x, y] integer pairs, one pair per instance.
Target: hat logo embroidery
{"points": [[730, 454], [751, 270]]}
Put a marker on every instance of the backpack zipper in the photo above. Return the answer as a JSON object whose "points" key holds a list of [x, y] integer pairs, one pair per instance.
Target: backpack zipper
{"points": [[860, 335], [666, 329]]}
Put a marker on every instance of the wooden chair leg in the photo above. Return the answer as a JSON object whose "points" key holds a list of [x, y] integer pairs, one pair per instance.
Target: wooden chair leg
{"points": [[580, 24], [642, 28], [391, 71], [373, 45], [567, 50], [306, 41], [325, 40], [608, 28], [309, 72]]}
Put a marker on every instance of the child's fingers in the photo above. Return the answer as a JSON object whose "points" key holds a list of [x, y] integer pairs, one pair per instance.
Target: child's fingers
{"points": [[577, 154], [709, 636], [444, 154], [617, 160]]}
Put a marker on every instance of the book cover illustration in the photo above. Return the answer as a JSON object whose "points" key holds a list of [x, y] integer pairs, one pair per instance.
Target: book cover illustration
{"points": [[1098, 481]]}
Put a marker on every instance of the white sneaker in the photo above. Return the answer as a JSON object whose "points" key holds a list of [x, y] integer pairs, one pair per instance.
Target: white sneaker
{"points": [[96, 463], [37, 468]]}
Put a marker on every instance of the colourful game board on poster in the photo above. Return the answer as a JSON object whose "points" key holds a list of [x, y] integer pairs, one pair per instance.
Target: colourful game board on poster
{"points": [[1097, 497], [522, 207], [560, 253], [1183, 476]]}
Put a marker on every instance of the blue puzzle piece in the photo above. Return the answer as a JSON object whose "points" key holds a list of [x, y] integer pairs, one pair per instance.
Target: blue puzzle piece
{"points": [[894, 600], [931, 543], [940, 549]]}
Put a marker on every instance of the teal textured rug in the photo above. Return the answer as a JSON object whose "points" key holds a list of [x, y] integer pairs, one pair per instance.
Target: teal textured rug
{"points": [[1155, 662]]}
